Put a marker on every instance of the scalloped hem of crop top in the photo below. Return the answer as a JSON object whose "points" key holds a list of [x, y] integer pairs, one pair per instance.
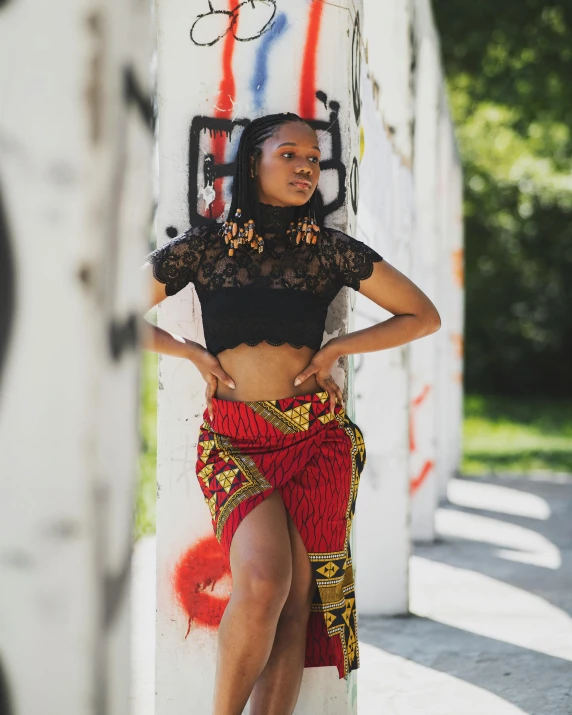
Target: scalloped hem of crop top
{"points": [[254, 343], [356, 283], [370, 270]]}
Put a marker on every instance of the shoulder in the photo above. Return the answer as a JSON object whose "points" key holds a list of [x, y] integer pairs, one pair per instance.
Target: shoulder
{"points": [[189, 244], [176, 261], [341, 240], [188, 238], [353, 258]]}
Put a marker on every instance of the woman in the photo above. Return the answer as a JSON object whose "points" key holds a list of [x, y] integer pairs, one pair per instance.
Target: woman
{"points": [[278, 460]]}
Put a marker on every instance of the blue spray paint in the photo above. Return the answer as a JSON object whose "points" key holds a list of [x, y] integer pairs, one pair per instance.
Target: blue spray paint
{"points": [[260, 75]]}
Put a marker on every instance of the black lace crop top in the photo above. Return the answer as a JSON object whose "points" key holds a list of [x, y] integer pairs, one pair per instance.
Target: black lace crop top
{"points": [[279, 296]]}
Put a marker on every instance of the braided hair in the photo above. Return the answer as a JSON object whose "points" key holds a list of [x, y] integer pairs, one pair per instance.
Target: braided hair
{"points": [[244, 205]]}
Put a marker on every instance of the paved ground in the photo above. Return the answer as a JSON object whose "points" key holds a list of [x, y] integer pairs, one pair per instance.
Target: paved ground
{"points": [[490, 630], [491, 602]]}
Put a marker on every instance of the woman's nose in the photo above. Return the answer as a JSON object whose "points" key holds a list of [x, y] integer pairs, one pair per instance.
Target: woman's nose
{"points": [[304, 166]]}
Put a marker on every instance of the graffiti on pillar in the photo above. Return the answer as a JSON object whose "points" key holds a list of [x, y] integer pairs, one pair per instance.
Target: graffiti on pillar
{"points": [[356, 69], [354, 185], [122, 334], [308, 75], [207, 167], [195, 578], [427, 466], [211, 158], [458, 267], [134, 94], [94, 90], [207, 171], [256, 15], [5, 697], [259, 77], [7, 284]]}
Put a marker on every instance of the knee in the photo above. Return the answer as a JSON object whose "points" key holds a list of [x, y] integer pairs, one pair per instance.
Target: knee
{"points": [[265, 590], [296, 609]]}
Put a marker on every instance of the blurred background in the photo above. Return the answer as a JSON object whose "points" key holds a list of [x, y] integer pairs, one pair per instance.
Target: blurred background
{"points": [[508, 67]]}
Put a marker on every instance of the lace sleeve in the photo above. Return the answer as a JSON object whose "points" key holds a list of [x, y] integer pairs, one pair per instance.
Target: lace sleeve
{"points": [[176, 262], [353, 259]]}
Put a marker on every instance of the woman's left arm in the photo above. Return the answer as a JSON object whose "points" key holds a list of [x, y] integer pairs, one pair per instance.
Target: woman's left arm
{"points": [[414, 316]]}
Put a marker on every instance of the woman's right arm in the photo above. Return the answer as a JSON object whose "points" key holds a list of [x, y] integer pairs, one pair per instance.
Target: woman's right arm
{"points": [[158, 340]]}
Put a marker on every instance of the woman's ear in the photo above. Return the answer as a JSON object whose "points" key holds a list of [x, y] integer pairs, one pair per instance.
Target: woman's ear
{"points": [[252, 167]]}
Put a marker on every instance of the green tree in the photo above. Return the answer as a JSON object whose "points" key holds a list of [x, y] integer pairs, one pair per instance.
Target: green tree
{"points": [[509, 70]]}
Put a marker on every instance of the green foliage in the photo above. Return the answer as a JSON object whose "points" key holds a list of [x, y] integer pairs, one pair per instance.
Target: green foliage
{"points": [[508, 67], [503, 434], [145, 499]]}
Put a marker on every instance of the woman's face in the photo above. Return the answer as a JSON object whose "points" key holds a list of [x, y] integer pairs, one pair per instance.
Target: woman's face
{"points": [[289, 167]]}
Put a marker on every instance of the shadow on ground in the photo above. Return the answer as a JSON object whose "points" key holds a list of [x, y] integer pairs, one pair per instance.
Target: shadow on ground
{"points": [[491, 602]]}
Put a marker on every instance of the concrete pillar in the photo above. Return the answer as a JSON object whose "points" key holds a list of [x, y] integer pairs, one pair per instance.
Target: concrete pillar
{"points": [[457, 317], [71, 241], [449, 297], [385, 216], [220, 64], [423, 405]]}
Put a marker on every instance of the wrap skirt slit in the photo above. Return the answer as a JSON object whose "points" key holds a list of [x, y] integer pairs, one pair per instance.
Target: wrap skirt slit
{"points": [[314, 459]]}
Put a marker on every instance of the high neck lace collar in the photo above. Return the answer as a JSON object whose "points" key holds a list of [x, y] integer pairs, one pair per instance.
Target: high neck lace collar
{"points": [[276, 219]]}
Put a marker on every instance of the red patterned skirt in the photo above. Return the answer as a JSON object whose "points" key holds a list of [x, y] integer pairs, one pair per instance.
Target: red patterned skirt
{"points": [[315, 460]]}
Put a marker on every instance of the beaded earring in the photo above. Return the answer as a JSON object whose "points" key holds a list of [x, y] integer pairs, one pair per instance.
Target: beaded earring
{"points": [[235, 235], [306, 229]]}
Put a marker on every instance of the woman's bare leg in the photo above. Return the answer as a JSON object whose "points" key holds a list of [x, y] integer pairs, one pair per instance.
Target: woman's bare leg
{"points": [[261, 566], [276, 690]]}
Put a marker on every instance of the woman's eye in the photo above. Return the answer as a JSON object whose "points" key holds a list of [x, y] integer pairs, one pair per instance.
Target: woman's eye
{"points": [[289, 154]]}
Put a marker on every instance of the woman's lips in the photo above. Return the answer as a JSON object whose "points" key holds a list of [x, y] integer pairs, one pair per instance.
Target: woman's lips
{"points": [[301, 184]]}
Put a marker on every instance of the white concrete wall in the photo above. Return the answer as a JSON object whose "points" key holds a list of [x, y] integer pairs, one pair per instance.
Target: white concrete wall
{"points": [[456, 328], [409, 399], [424, 262], [72, 160], [385, 217], [210, 84], [450, 299]]}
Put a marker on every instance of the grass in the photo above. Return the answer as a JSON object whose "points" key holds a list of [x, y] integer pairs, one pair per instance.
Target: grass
{"points": [[146, 493], [503, 434]]}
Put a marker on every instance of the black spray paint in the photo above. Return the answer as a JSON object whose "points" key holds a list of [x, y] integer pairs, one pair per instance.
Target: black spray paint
{"points": [[134, 94], [122, 334], [354, 184], [212, 26], [7, 285], [356, 69], [203, 170], [6, 707]]}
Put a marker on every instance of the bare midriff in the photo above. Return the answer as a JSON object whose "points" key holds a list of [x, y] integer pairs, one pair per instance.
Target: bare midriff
{"points": [[265, 372]]}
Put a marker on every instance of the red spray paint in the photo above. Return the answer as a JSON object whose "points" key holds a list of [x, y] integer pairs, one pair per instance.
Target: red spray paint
{"points": [[417, 481], [224, 106], [416, 403], [421, 477], [308, 76], [194, 579]]}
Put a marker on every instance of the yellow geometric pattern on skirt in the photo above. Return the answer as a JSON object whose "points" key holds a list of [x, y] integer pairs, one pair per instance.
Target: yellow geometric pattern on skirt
{"points": [[334, 571]]}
